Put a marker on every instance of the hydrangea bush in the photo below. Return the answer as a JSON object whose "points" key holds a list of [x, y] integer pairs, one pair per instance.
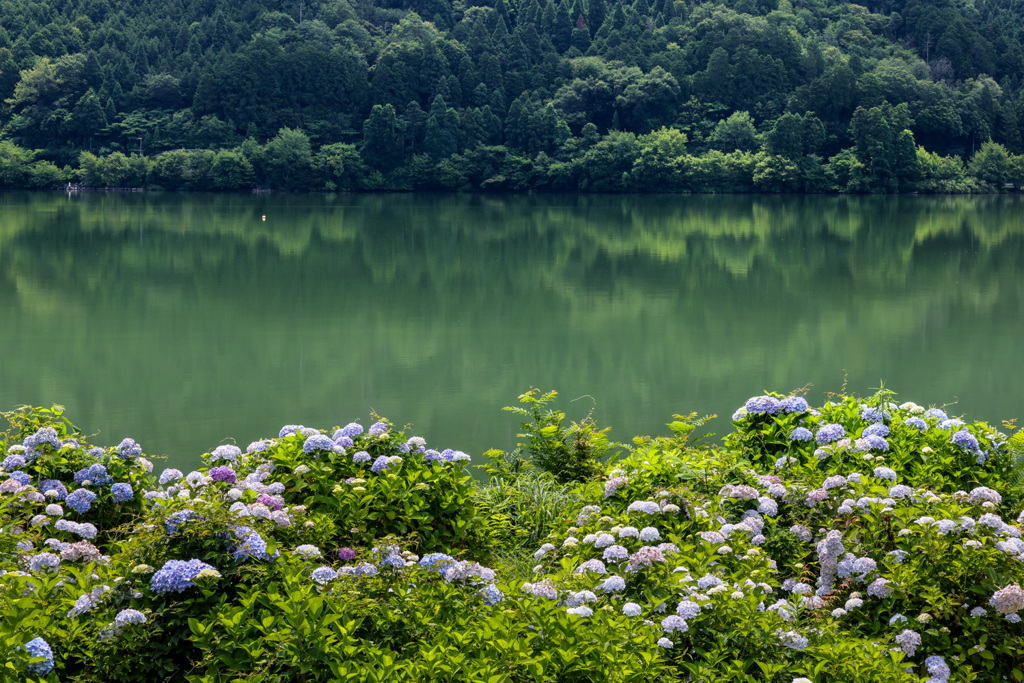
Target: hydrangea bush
{"points": [[859, 541]]}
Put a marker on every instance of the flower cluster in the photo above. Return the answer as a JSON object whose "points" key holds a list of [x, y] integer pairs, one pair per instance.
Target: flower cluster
{"points": [[177, 576]]}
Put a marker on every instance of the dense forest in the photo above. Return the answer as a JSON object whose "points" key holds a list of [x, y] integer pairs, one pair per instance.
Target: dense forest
{"points": [[595, 95]]}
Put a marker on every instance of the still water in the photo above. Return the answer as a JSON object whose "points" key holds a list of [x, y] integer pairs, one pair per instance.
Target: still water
{"points": [[187, 321]]}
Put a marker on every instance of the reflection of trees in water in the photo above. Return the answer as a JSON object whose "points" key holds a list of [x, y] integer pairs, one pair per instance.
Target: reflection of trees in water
{"points": [[473, 298]]}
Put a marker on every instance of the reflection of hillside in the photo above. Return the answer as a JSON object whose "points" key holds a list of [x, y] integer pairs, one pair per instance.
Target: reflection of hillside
{"points": [[440, 310]]}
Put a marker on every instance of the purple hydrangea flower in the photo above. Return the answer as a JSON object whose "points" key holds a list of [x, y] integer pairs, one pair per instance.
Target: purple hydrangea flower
{"points": [[346, 554], [379, 465], [379, 429], [223, 473], [122, 492], [344, 441], [177, 576], [361, 456], [272, 502], [287, 430]]}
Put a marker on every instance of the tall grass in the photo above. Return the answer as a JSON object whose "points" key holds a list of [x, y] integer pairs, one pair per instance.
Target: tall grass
{"points": [[521, 511]]}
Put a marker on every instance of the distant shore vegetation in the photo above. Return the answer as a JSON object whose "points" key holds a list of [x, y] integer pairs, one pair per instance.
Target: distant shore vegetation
{"points": [[512, 95]]}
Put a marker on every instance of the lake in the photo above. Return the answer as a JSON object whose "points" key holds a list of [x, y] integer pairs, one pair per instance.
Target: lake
{"points": [[187, 321]]}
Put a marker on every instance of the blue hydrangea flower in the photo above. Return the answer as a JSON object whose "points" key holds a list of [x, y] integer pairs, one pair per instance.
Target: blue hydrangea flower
{"points": [[877, 429], [379, 465], [877, 443], [169, 475], [364, 569], [873, 414], [952, 423], [177, 575], [80, 500], [762, 404], [936, 413], [323, 575], [57, 487], [793, 404], [829, 433], [37, 647], [801, 434], [319, 442], [361, 456], [491, 594], [226, 451], [13, 461], [916, 422], [615, 553], [129, 616], [96, 452], [439, 562], [613, 584], [964, 439], [122, 492], [96, 473], [176, 520], [128, 449], [673, 623], [20, 477], [259, 446], [379, 429], [44, 436], [352, 430], [343, 441], [288, 430], [252, 545], [448, 456]]}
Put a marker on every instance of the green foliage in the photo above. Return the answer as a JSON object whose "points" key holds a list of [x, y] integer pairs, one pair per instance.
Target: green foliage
{"points": [[568, 453], [686, 561]]}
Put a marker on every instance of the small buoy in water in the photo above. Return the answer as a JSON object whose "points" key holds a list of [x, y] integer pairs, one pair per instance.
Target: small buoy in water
{"points": [[264, 218]]}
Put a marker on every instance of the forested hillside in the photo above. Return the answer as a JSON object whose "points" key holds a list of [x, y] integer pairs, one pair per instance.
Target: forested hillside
{"points": [[597, 95]]}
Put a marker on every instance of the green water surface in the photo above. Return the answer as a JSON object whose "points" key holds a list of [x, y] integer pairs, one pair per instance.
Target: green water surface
{"points": [[186, 321]]}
